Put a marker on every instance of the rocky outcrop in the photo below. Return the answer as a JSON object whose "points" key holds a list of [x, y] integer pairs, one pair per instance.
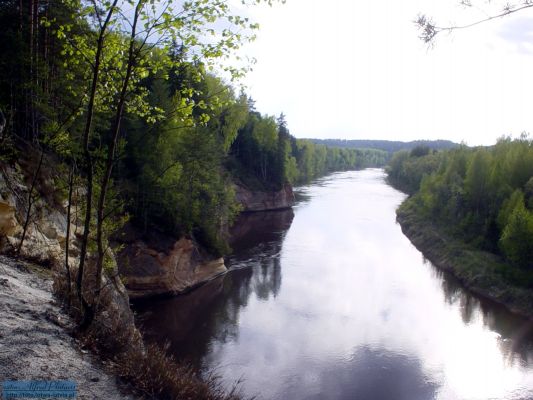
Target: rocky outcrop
{"points": [[46, 232], [45, 244], [264, 200], [161, 265], [8, 222]]}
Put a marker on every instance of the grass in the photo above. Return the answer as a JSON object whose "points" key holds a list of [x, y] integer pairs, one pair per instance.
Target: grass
{"points": [[157, 375]]}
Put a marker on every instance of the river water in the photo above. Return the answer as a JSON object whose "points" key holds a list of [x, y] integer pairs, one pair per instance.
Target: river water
{"points": [[331, 301]]}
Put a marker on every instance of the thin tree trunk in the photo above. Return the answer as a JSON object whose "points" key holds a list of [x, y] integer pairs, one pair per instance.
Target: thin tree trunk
{"points": [[30, 204], [111, 149], [67, 240], [87, 310], [32, 66], [21, 5]]}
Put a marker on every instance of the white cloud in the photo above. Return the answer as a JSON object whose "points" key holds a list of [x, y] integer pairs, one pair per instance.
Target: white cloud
{"points": [[356, 69]]}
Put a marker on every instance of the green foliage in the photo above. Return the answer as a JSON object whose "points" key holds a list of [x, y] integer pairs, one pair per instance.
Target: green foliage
{"points": [[528, 193], [166, 137], [388, 146], [482, 195], [420, 151], [476, 183], [407, 169], [509, 205], [517, 237], [265, 156]]}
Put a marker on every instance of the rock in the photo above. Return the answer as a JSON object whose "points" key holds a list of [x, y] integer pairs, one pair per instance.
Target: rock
{"points": [[46, 234], [264, 200], [8, 222], [162, 265]]}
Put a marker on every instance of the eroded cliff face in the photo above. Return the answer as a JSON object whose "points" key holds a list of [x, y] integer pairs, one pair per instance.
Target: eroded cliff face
{"points": [[264, 201], [156, 264], [161, 265], [46, 233], [8, 222], [45, 244]]}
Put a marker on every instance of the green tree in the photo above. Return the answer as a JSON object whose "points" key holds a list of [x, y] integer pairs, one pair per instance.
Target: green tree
{"points": [[517, 238], [477, 180]]}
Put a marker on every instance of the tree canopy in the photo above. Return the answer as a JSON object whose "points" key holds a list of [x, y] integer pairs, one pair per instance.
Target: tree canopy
{"points": [[482, 195]]}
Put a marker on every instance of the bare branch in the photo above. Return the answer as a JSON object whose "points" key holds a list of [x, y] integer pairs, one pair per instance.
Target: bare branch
{"points": [[428, 29]]}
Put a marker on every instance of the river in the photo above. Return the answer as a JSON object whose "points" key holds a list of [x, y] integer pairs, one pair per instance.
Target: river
{"points": [[331, 301]]}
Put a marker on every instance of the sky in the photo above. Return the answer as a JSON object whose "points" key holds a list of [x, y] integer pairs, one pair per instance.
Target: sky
{"points": [[356, 69]]}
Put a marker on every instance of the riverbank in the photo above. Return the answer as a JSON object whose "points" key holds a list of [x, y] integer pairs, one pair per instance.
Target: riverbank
{"points": [[35, 338], [479, 271], [40, 341]]}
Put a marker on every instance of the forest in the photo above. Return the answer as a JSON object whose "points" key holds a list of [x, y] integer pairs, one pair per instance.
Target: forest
{"points": [[388, 146], [483, 195], [131, 106]]}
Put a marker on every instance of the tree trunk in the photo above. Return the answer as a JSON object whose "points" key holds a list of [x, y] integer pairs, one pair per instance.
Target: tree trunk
{"points": [[111, 149], [86, 308], [67, 240], [30, 203]]}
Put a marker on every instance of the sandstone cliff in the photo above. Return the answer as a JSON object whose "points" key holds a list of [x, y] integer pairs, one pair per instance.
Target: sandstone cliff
{"points": [[264, 200], [45, 244], [158, 264]]}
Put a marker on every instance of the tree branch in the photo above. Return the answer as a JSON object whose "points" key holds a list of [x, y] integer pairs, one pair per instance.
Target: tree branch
{"points": [[429, 30]]}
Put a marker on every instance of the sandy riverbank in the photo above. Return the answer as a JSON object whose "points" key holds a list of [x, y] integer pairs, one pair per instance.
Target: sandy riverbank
{"points": [[35, 343]]}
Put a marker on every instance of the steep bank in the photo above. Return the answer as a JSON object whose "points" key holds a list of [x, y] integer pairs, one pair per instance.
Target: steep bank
{"points": [[35, 339], [264, 200], [481, 272], [45, 244], [157, 264]]}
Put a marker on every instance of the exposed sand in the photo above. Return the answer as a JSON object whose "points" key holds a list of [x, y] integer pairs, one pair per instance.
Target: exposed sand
{"points": [[34, 336]]}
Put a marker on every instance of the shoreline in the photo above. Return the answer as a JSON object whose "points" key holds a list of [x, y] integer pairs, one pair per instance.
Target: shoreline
{"points": [[476, 270], [36, 336]]}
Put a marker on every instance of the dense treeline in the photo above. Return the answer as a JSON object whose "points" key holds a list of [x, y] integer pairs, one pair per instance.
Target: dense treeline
{"points": [[390, 146], [483, 195], [265, 155], [406, 169], [146, 126]]}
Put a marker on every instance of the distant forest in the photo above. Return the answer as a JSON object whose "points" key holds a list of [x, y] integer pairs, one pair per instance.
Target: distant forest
{"points": [[389, 146], [483, 195]]}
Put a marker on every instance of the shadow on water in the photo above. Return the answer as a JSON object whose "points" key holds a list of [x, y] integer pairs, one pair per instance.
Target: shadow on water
{"points": [[211, 312]]}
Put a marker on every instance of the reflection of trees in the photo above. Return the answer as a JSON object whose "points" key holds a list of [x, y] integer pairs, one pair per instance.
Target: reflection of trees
{"points": [[209, 314], [256, 229], [516, 332], [269, 279]]}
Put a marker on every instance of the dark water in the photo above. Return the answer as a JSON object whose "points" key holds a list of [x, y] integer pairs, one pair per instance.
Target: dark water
{"points": [[332, 301]]}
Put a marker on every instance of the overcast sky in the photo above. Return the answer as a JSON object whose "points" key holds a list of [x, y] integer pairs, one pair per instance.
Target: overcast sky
{"points": [[356, 69]]}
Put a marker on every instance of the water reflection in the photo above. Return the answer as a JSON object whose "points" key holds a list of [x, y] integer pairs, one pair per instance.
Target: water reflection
{"points": [[368, 373], [191, 321], [340, 305], [515, 333]]}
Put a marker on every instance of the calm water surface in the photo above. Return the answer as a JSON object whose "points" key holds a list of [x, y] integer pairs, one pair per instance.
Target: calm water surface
{"points": [[332, 301]]}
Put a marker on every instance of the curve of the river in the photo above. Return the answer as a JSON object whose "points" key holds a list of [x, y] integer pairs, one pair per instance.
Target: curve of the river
{"points": [[332, 301]]}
